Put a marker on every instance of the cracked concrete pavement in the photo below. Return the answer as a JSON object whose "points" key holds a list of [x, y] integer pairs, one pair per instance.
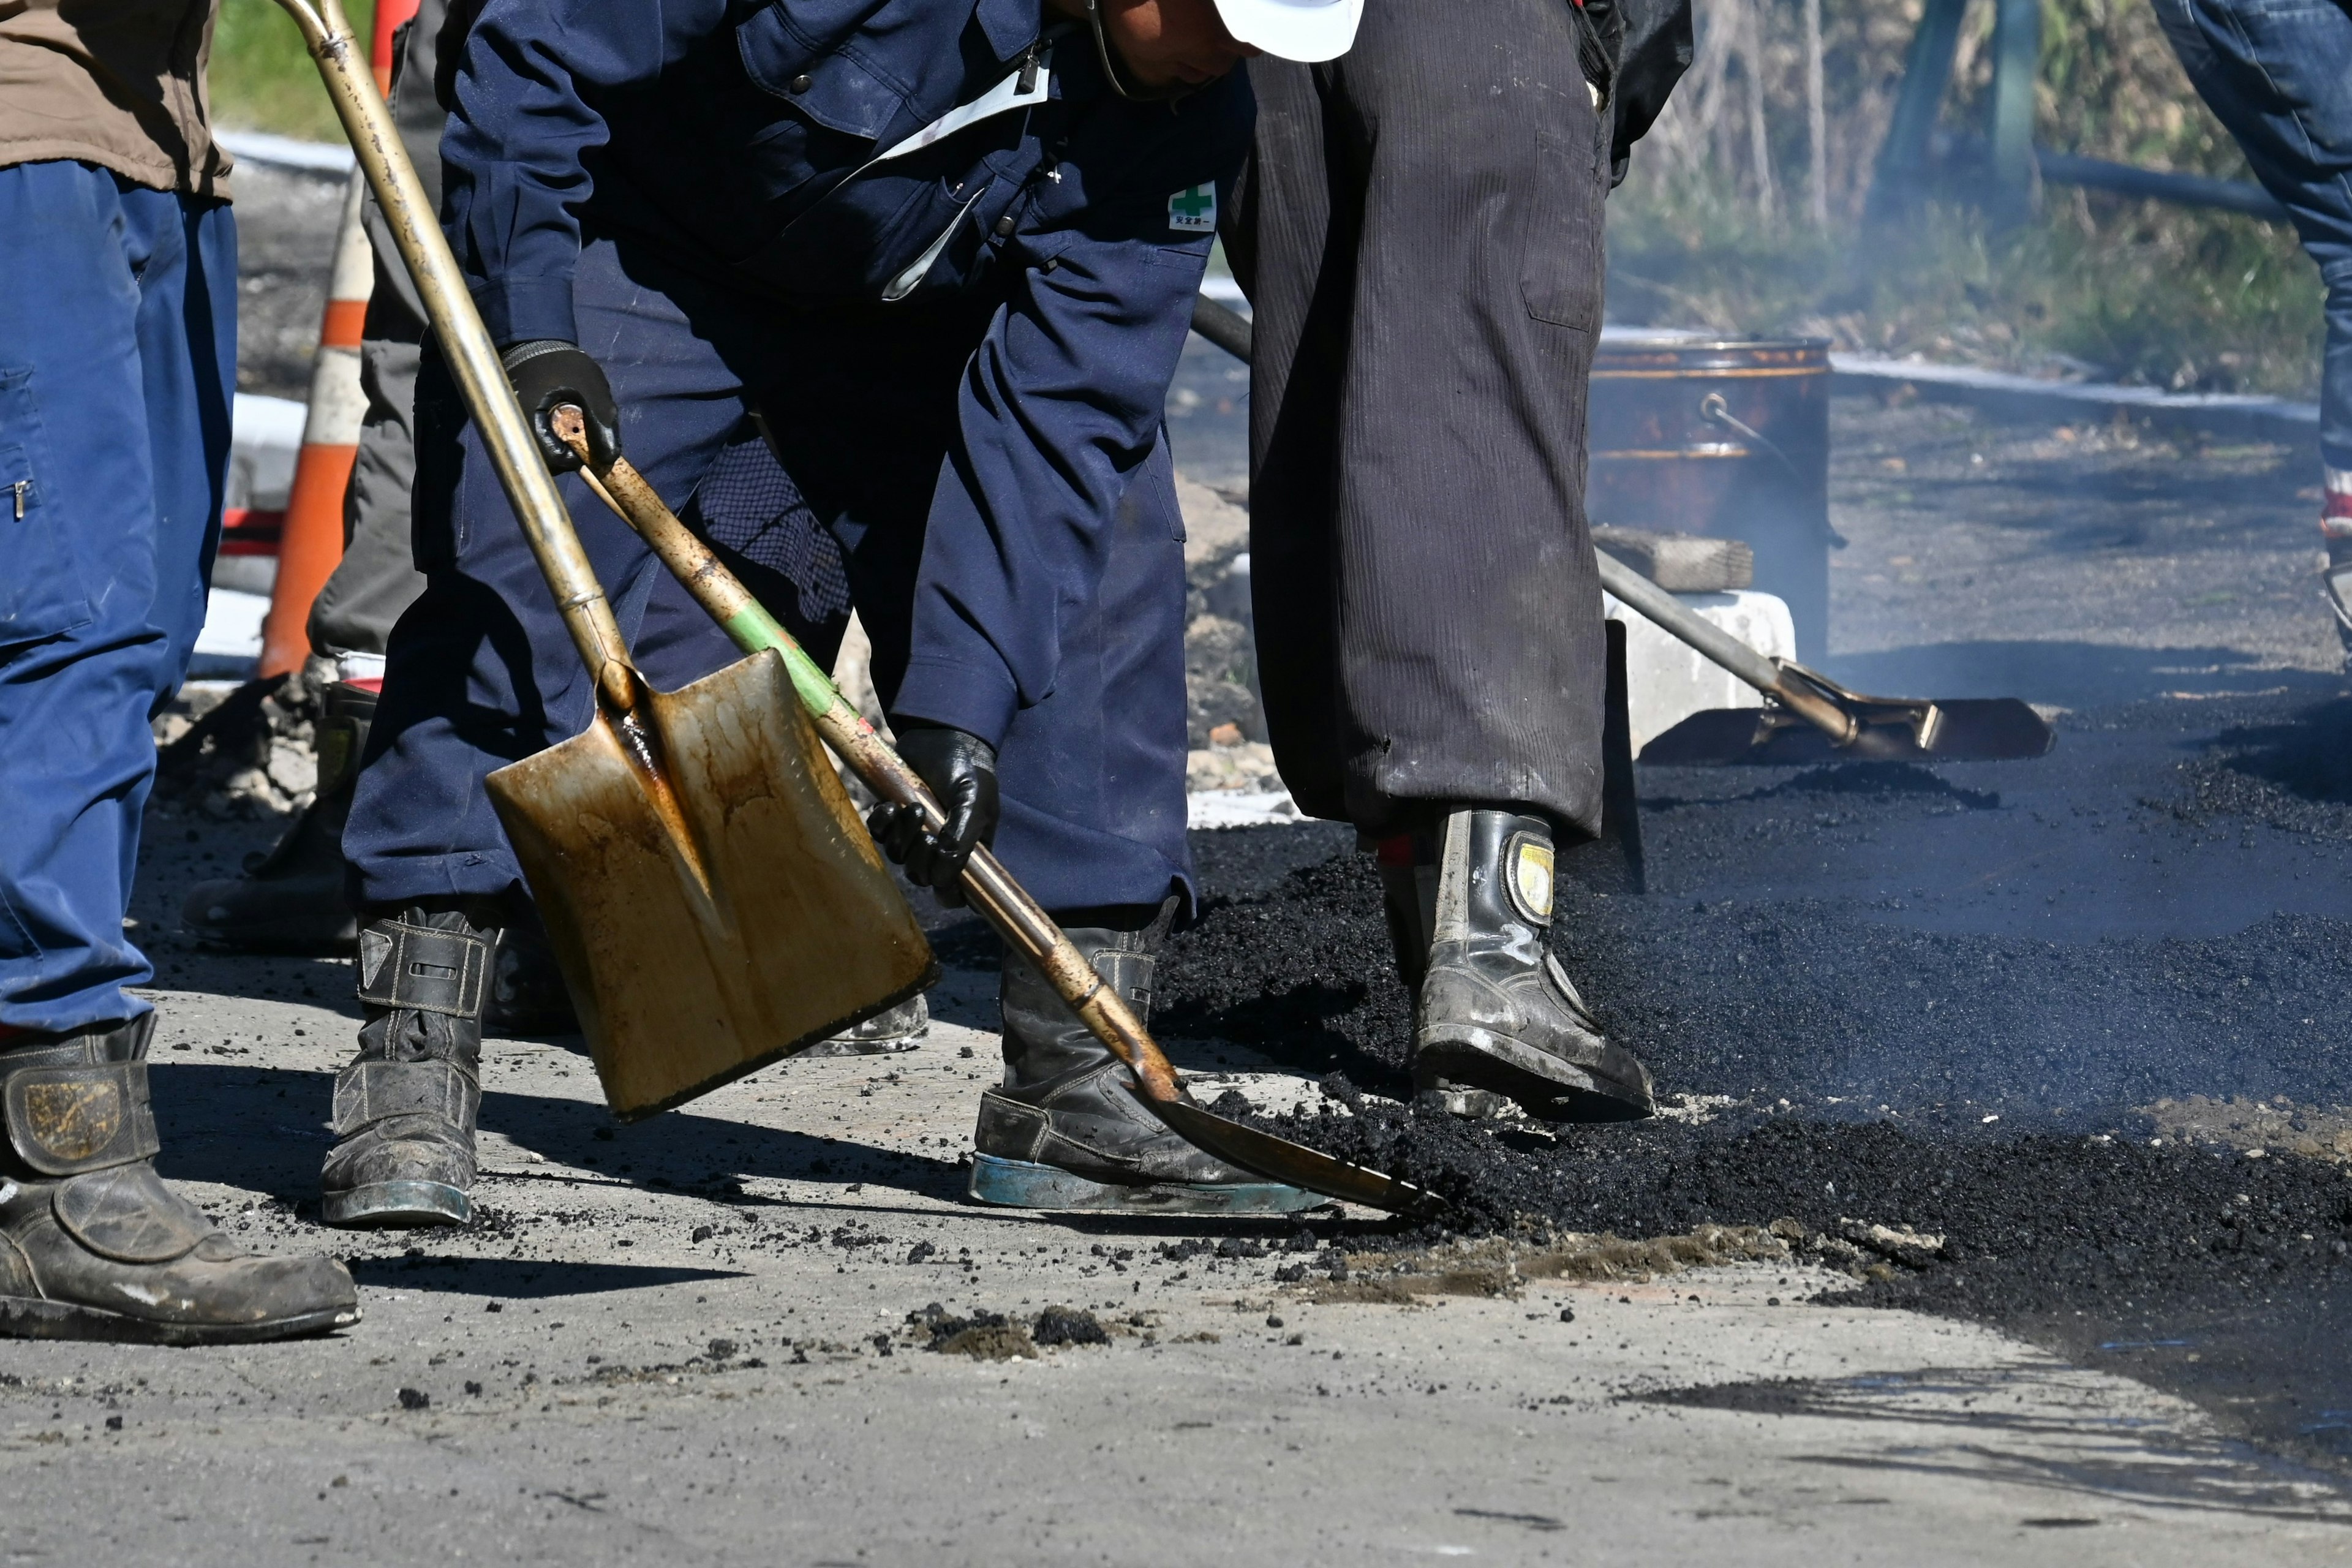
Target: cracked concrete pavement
{"points": [[689, 1337]]}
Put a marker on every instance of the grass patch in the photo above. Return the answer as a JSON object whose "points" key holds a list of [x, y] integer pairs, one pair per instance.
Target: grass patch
{"points": [[262, 77], [2136, 291]]}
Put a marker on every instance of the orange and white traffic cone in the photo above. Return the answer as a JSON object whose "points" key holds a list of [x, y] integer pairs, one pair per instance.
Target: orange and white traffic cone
{"points": [[312, 540]]}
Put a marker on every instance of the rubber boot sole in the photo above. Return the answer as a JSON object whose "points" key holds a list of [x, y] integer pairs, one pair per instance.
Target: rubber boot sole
{"points": [[1466, 1057], [397, 1205], [1026, 1185], [25, 1318]]}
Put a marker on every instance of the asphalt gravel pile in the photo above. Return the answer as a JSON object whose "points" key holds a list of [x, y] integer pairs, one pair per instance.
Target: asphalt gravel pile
{"points": [[1828, 1065], [2294, 772], [1805, 999]]}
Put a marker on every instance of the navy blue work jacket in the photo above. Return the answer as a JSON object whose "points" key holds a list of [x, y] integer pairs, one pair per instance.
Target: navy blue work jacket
{"points": [[754, 139]]}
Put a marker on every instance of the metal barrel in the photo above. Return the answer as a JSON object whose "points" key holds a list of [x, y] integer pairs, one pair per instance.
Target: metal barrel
{"points": [[1725, 436]]}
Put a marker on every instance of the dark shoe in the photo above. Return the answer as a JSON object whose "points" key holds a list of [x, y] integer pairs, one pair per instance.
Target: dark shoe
{"points": [[528, 995], [94, 1246], [405, 1109], [291, 899], [1065, 1132], [1408, 863], [1495, 1011], [888, 1032], [2336, 533]]}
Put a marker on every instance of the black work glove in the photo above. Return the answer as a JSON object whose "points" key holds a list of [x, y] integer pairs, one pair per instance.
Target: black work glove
{"points": [[549, 372], [960, 768]]}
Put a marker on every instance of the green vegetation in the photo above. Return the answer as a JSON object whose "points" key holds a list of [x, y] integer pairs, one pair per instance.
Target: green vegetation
{"points": [[263, 78], [1708, 233], [2135, 290]]}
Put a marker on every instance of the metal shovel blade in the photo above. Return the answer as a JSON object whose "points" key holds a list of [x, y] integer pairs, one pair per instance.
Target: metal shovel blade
{"points": [[1951, 730], [1281, 1160], [712, 898]]}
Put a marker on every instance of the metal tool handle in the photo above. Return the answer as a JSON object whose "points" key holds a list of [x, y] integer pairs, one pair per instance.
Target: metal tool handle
{"points": [[466, 343], [1223, 326], [991, 889], [1719, 647]]}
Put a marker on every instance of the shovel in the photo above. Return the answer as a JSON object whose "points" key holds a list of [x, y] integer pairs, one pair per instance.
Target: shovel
{"points": [[987, 885], [1806, 717], [713, 900], [1809, 717]]}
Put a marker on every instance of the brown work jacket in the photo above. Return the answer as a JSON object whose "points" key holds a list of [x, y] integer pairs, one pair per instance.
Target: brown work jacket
{"points": [[118, 83]]}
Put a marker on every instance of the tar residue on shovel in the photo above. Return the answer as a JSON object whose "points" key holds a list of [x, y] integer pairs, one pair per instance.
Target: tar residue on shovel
{"points": [[2063, 1220]]}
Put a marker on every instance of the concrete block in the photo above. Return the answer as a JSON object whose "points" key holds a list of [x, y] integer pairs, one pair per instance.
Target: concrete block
{"points": [[1667, 682]]}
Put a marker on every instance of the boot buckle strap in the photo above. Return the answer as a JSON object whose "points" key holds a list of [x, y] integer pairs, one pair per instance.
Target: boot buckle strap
{"points": [[369, 1092], [66, 1121], [422, 970], [1129, 975]]}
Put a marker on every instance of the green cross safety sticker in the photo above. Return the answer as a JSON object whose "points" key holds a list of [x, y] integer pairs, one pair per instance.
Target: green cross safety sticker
{"points": [[1194, 211]]}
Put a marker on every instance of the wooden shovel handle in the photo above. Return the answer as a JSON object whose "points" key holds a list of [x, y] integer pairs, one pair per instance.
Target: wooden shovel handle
{"points": [[1002, 901]]}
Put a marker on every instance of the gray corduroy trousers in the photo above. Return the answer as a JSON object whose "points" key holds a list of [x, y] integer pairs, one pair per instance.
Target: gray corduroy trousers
{"points": [[1421, 235]]}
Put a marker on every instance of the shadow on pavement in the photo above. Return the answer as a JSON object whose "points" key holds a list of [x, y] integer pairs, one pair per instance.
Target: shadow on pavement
{"points": [[522, 1278]]}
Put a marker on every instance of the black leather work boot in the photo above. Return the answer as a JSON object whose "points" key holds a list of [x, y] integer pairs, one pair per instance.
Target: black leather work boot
{"points": [[1408, 863], [1065, 1131], [94, 1246], [1495, 1011], [292, 899], [528, 995], [404, 1108]]}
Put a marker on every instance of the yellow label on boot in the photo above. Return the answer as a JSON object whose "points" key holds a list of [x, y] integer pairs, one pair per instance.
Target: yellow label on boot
{"points": [[1531, 877]]}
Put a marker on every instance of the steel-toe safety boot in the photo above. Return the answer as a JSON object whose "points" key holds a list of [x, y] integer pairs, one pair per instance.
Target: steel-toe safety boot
{"points": [[404, 1108], [291, 899], [1495, 1012], [94, 1246], [1065, 1131]]}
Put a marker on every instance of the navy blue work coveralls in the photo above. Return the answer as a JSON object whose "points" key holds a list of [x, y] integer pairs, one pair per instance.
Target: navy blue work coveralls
{"points": [[698, 194], [118, 375]]}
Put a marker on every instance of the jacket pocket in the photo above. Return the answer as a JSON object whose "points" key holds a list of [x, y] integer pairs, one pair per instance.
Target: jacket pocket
{"points": [[825, 80], [45, 584], [1560, 272]]}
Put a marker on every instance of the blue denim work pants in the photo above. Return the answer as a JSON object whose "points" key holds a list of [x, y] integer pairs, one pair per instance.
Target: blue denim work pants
{"points": [[118, 374], [2278, 74]]}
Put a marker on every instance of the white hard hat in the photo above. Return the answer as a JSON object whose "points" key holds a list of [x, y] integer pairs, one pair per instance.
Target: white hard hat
{"points": [[1302, 30]]}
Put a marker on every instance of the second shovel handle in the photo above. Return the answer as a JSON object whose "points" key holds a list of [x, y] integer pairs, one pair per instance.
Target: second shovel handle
{"points": [[1002, 900]]}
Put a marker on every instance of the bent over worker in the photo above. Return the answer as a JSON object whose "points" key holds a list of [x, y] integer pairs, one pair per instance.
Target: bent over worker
{"points": [[118, 370], [945, 253], [1422, 237]]}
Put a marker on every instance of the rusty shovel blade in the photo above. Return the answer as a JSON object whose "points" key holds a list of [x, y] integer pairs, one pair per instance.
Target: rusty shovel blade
{"points": [[712, 898]]}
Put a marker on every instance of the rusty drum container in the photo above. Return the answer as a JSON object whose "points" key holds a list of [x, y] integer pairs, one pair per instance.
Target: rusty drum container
{"points": [[1724, 435]]}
